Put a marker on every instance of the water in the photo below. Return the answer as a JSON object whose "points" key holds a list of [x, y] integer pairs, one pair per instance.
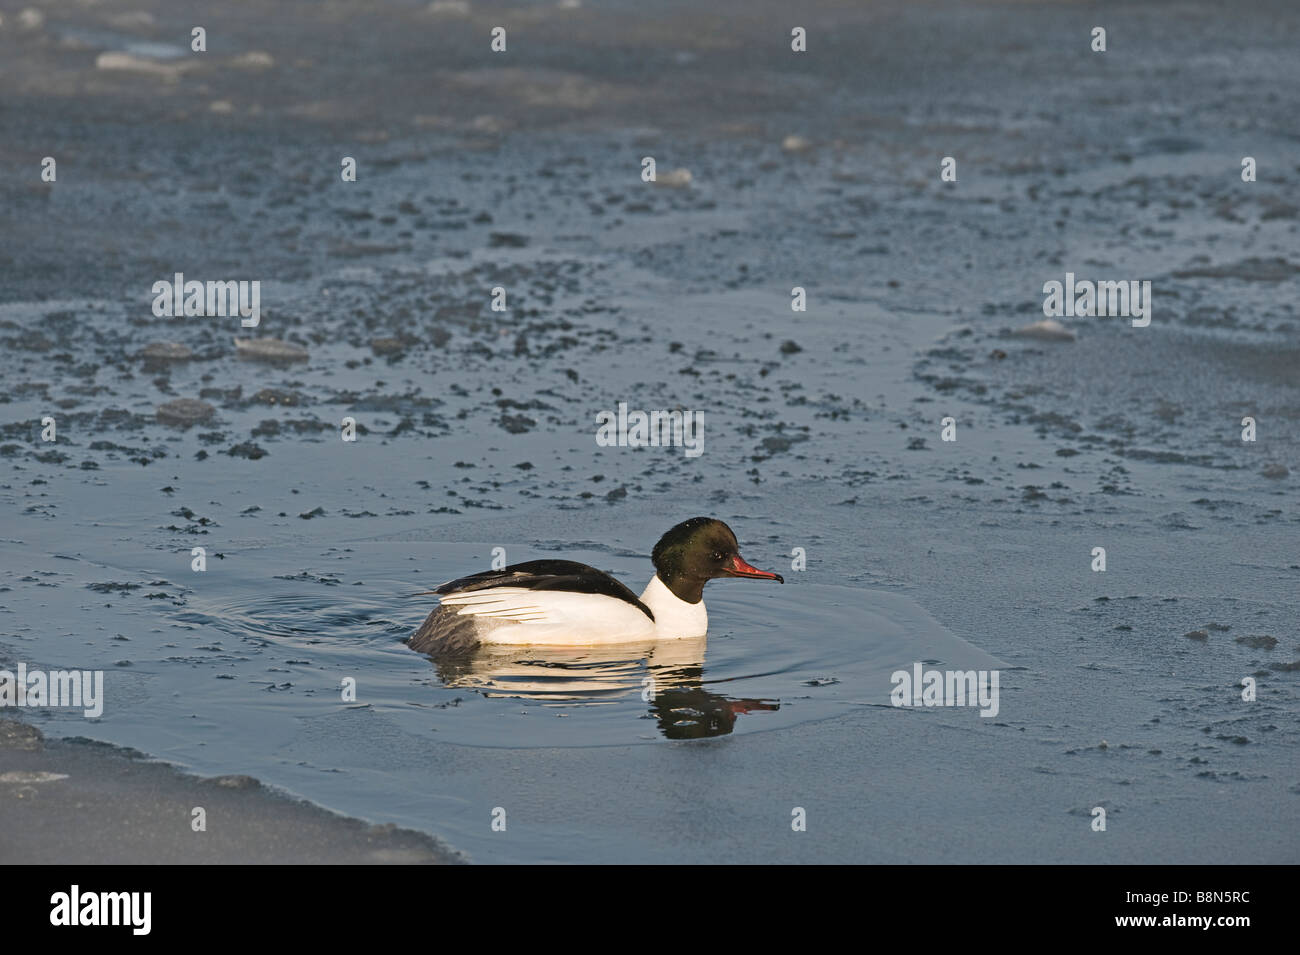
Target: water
{"points": [[821, 428], [240, 670], [269, 643]]}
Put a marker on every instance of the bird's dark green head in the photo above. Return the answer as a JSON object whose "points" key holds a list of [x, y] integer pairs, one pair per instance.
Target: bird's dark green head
{"points": [[695, 552]]}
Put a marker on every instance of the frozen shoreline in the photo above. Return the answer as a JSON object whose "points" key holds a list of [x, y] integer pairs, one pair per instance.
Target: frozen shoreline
{"points": [[84, 803]]}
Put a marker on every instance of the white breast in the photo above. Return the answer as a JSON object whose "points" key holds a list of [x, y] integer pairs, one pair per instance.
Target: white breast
{"points": [[674, 617]]}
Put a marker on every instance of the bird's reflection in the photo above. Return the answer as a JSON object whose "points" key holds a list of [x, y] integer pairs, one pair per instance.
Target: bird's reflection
{"points": [[667, 674]]}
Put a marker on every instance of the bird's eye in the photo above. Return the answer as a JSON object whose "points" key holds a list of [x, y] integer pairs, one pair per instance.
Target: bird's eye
{"points": [[717, 555]]}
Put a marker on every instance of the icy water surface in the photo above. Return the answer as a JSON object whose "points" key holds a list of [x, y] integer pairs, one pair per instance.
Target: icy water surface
{"points": [[822, 428], [270, 645]]}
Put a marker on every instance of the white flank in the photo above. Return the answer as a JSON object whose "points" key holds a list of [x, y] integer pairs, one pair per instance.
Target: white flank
{"points": [[518, 615]]}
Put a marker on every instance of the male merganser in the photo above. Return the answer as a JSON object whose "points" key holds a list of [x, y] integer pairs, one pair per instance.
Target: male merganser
{"points": [[564, 603]]}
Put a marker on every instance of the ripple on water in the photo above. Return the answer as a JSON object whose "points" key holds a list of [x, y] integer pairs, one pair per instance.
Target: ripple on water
{"points": [[775, 656]]}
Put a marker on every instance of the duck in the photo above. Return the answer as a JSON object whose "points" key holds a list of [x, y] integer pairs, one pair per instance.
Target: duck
{"points": [[566, 603]]}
